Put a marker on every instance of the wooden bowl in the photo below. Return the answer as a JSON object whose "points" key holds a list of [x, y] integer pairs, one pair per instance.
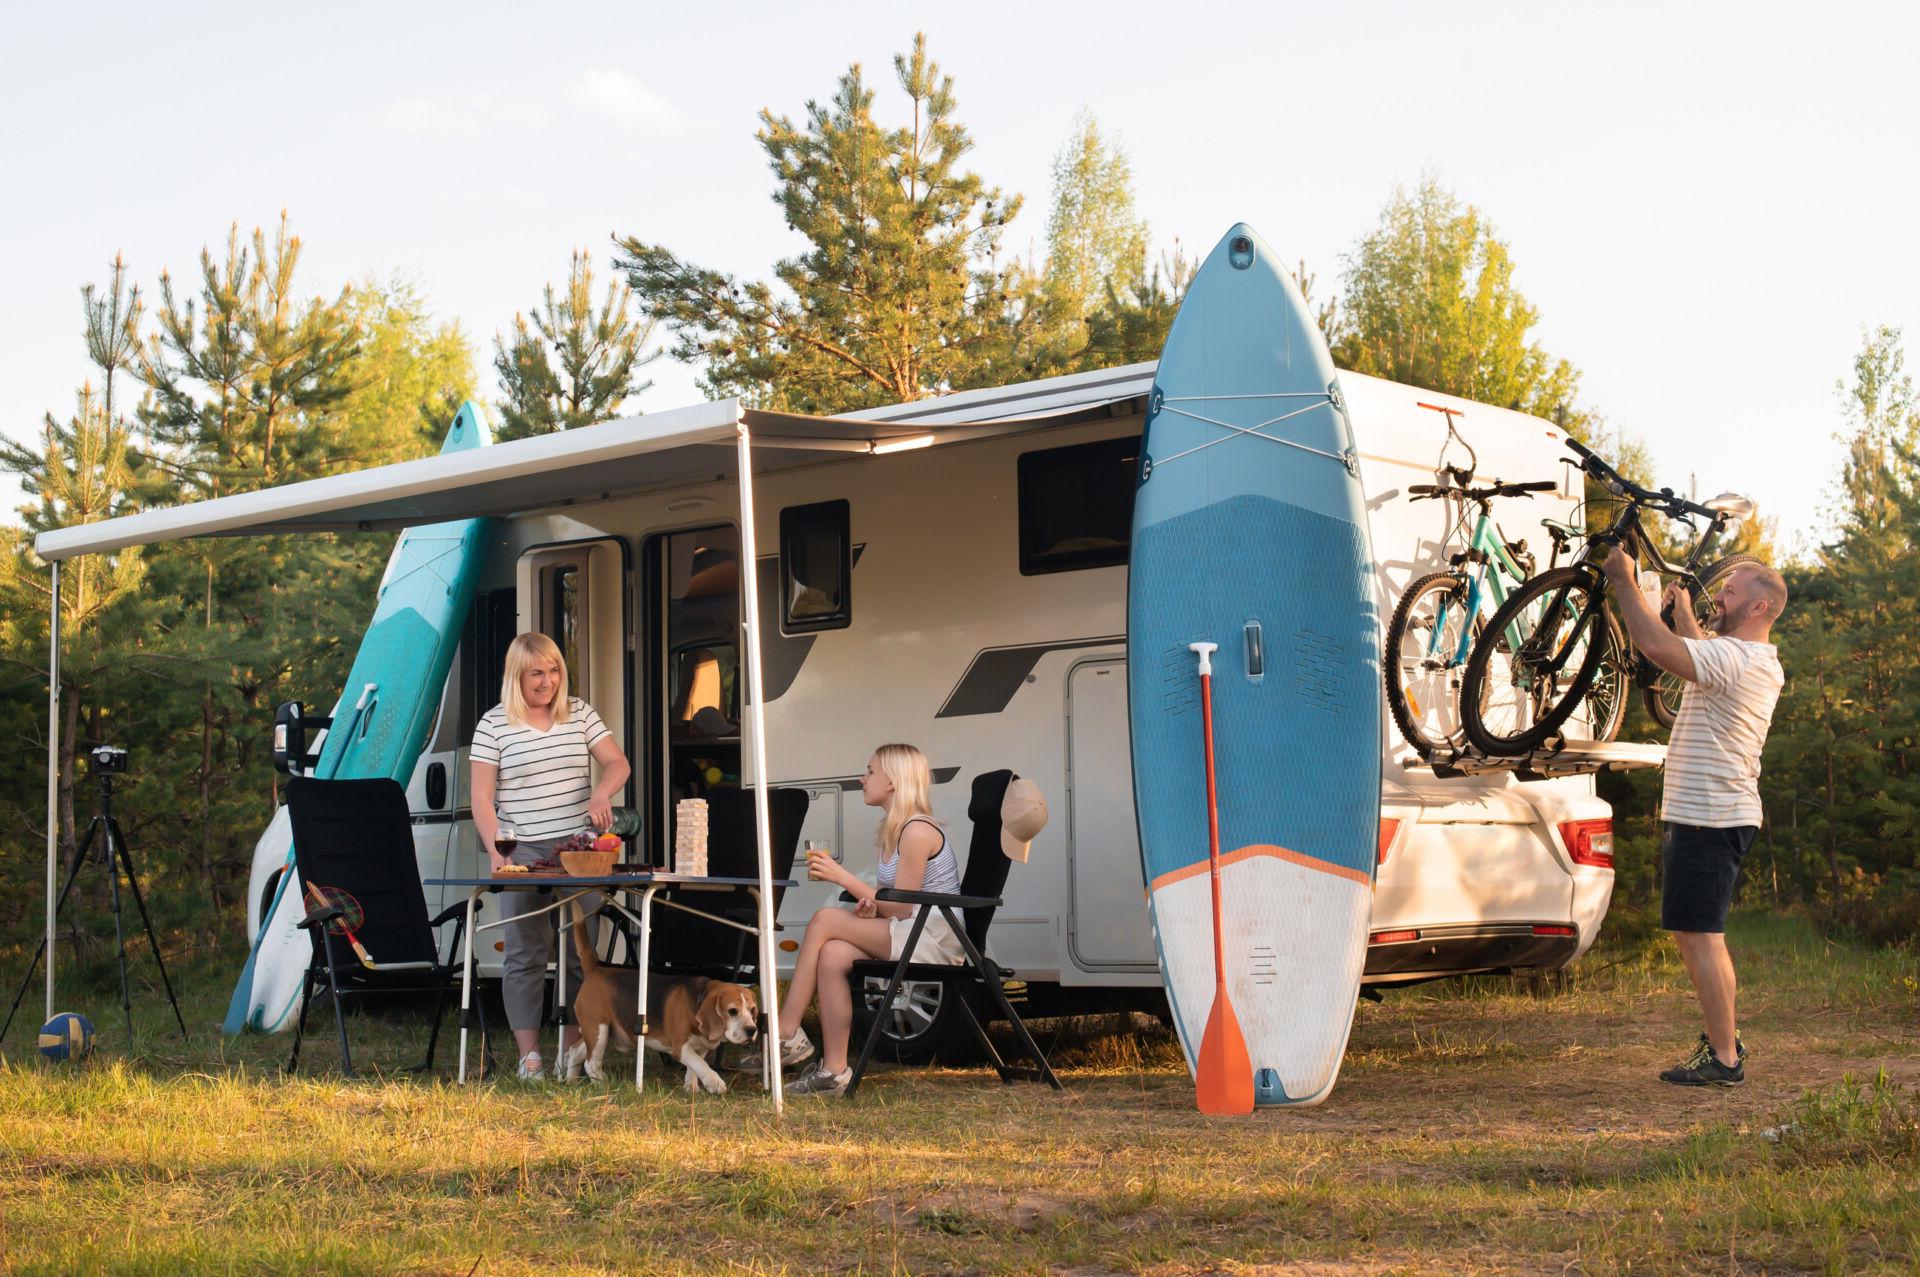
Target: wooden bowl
{"points": [[588, 864]]}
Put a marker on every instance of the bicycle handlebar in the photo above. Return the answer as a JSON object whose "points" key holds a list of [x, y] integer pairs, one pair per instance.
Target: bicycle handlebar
{"points": [[1664, 500], [1429, 491]]}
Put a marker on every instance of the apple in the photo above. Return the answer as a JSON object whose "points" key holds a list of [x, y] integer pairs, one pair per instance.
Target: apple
{"points": [[607, 842]]}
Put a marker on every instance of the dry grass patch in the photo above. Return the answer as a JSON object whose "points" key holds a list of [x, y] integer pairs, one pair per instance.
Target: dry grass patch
{"points": [[1477, 1127]]}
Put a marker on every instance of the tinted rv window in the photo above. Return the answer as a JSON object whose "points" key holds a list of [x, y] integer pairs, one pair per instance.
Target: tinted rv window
{"points": [[816, 568], [1076, 506]]}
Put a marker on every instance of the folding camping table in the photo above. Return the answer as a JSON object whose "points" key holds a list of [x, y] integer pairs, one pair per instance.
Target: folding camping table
{"points": [[571, 887]]}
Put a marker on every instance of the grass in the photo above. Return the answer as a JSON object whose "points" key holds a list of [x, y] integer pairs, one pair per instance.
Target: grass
{"points": [[1477, 1126]]}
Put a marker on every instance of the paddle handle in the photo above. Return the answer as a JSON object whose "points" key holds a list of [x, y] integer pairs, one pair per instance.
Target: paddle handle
{"points": [[1205, 652]]}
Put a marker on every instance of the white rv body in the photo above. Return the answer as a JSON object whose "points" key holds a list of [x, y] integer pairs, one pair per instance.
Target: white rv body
{"points": [[949, 645]]}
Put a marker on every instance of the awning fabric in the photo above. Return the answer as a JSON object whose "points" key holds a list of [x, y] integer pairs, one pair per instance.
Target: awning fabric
{"points": [[695, 444]]}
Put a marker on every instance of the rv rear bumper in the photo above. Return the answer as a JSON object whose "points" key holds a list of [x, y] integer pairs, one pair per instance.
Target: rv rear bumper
{"points": [[1460, 950]]}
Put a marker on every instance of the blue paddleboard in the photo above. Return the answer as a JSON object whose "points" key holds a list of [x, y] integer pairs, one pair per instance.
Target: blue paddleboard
{"points": [[1250, 531], [381, 721]]}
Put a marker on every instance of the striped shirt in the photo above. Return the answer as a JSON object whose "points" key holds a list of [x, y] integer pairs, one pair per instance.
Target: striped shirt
{"points": [[1713, 757], [545, 780]]}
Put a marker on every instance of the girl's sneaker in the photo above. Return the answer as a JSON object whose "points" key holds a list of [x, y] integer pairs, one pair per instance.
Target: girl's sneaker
{"points": [[797, 1049], [817, 1081], [532, 1067]]}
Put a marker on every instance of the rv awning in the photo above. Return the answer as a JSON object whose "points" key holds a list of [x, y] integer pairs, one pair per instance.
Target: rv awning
{"points": [[632, 454]]}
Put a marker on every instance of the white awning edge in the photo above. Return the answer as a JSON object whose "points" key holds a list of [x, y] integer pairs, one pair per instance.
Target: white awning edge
{"points": [[265, 509]]}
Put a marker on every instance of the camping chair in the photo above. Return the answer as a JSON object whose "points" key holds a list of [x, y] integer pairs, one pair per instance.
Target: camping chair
{"points": [[980, 887], [367, 916]]}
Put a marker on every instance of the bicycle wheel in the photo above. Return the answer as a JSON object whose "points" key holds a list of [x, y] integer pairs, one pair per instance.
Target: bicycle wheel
{"points": [[1662, 696], [1535, 662], [1422, 670]]}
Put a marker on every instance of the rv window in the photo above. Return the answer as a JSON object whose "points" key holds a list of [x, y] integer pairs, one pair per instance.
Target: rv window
{"points": [[1076, 506], [490, 629], [816, 568]]}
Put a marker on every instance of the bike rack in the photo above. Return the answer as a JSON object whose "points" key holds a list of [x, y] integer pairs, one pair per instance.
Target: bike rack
{"points": [[1557, 758]]}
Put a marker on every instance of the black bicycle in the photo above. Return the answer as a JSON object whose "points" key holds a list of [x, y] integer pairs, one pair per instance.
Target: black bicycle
{"points": [[1547, 645]]}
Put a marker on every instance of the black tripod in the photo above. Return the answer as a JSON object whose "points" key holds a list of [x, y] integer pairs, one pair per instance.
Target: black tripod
{"points": [[117, 859]]}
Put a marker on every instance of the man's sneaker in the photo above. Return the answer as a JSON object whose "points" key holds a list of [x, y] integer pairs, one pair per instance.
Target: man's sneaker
{"points": [[532, 1067], [1703, 1050], [797, 1049], [1703, 1068], [817, 1081]]}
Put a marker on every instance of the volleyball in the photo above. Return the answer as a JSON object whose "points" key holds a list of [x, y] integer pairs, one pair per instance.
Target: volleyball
{"points": [[66, 1036]]}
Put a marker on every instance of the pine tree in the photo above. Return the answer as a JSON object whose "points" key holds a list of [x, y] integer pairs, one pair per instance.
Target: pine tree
{"points": [[1842, 770], [81, 471], [900, 293], [598, 357]]}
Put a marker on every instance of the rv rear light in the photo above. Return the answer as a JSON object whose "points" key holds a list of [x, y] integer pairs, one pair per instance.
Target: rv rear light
{"points": [[1554, 931], [1388, 828], [1589, 842], [882, 447], [1393, 937]]}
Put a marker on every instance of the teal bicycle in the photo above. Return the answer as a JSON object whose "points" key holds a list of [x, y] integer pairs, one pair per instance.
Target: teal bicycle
{"points": [[1438, 620]]}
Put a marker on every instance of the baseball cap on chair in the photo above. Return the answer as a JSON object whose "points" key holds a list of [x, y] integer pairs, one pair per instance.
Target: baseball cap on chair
{"points": [[1023, 814]]}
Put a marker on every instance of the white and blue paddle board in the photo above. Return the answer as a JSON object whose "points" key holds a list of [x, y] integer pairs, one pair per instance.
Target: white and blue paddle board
{"points": [[380, 723], [1250, 531]]}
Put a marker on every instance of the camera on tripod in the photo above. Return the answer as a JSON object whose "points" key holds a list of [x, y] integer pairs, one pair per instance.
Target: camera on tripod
{"points": [[107, 759]]}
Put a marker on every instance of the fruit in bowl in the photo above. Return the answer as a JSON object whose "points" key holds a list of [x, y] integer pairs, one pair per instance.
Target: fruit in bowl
{"points": [[607, 842]]}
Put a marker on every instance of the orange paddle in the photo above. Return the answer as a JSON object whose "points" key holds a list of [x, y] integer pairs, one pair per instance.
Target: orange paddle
{"points": [[1223, 1078]]}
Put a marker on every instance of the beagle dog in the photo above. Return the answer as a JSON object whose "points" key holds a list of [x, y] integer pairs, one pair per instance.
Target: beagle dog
{"points": [[687, 1017]]}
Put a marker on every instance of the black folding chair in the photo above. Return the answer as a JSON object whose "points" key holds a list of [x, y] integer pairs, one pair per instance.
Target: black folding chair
{"points": [[978, 898], [692, 945], [366, 914]]}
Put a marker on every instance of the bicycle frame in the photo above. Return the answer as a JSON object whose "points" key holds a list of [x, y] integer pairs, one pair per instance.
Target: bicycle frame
{"points": [[1486, 548], [1627, 532]]}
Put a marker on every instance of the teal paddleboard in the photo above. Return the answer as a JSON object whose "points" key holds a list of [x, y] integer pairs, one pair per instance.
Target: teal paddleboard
{"points": [[380, 722], [1250, 532]]}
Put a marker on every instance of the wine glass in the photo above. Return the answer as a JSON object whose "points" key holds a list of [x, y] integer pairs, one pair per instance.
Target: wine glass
{"points": [[505, 840]]}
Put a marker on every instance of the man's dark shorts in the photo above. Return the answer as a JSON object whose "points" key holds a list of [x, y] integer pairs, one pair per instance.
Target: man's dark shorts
{"points": [[1700, 866]]}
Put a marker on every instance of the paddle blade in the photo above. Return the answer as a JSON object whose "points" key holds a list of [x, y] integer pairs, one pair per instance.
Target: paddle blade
{"points": [[1223, 1078]]}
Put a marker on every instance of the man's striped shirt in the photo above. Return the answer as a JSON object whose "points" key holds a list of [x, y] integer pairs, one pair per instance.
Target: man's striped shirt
{"points": [[1713, 757], [546, 779]]}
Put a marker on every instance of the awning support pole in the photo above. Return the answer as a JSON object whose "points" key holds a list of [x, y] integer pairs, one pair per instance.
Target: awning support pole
{"points": [[762, 820], [53, 772]]}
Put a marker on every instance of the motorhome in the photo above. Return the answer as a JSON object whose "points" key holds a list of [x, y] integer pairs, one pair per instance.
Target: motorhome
{"points": [[952, 572]]}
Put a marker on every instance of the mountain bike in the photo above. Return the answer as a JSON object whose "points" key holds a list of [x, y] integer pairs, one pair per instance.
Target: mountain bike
{"points": [[1438, 617], [1540, 655]]}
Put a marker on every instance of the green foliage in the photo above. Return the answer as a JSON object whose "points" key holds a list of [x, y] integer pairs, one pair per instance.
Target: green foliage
{"points": [[572, 366], [1842, 773], [1877, 1124], [180, 650], [1096, 241], [1430, 301], [410, 377], [898, 294]]}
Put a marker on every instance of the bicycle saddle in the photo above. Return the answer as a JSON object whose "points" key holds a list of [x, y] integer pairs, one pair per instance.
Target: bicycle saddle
{"points": [[1731, 504]]}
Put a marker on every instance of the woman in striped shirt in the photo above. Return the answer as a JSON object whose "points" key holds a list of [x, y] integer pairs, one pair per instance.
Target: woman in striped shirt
{"points": [[532, 773]]}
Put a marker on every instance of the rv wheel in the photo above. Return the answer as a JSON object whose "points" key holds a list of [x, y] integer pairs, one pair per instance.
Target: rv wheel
{"points": [[921, 1021]]}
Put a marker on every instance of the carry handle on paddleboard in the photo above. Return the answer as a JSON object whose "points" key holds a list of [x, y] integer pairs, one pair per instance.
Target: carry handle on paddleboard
{"points": [[1223, 1071]]}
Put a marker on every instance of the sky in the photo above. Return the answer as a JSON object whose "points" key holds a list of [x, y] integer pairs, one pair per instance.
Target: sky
{"points": [[1709, 204]]}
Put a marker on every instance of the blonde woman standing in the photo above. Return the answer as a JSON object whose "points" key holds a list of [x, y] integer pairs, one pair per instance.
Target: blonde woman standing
{"points": [[914, 855], [532, 772]]}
